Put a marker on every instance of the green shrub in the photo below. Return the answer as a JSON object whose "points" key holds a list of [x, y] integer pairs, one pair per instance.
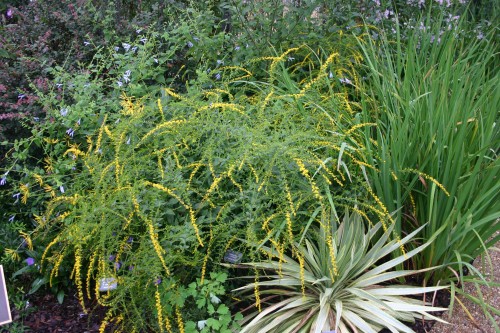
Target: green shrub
{"points": [[167, 189]]}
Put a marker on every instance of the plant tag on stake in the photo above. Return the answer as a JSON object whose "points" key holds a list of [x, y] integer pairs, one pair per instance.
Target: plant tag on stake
{"points": [[232, 257], [5, 316], [107, 284]]}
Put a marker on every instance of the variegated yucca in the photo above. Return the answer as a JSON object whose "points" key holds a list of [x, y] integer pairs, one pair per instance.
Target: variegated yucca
{"points": [[301, 295]]}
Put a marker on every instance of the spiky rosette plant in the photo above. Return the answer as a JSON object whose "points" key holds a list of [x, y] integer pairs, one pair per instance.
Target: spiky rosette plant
{"points": [[338, 279]]}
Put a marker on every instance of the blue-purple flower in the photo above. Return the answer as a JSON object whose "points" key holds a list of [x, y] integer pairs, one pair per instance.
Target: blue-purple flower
{"points": [[30, 261], [157, 281], [70, 132], [3, 180]]}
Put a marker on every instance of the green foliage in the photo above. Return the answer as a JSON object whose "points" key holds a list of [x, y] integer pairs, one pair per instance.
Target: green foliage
{"points": [[205, 294], [436, 146], [165, 190], [335, 280]]}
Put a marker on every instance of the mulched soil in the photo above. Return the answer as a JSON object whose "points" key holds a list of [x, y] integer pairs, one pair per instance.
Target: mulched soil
{"points": [[51, 317]]}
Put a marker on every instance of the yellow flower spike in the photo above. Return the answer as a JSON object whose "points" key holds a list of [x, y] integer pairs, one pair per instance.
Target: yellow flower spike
{"points": [[57, 264], [358, 126], [176, 158], [49, 168], [428, 177], [256, 291], [168, 326], [246, 75], [153, 235], [413, 205], [90, 269], [193, 173], [266, 221], [174, 94], [25, 193], [78, 278], [224, 106], [254, 173], [170, 123], [108, 132], [289, 198], [13, 254], [160, 166], [27, 240], [188, 208], [230, 176], [131, 107], [99, 135], [180, 322], [159, 309], [38, 179], [289, 226], [205, 260], [105, 322], [160, 108], [300, 258], [75, 151], [54, 241], [89, 145]]}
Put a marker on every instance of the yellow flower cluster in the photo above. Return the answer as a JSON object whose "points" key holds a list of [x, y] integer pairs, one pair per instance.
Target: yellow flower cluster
{"points": [[159, 309]]}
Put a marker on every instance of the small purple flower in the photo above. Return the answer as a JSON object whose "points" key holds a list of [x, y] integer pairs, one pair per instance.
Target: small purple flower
{"points": [[130, 240], [143, 40], [3, 181], [237, 48], [134, 49], [85, 43], [63, 112], [119, 83], [16, 196], [118, 265], [190, 45], [131, 267], [117, 48], [217, 76], [70, 132], [30, 261], [61, 188], [59, 85], [11, 219], [21, 96], [158, 281], [9, 13], [112, 257], [126, 46]]}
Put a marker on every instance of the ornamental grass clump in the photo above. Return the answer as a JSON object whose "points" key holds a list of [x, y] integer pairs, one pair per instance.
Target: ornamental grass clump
{"points": [[161, 193], [336, 278], [436, 146]]}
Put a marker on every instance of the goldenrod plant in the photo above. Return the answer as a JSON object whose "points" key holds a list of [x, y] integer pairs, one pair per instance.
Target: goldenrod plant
{"points": [[336, 278], [167, 187]]}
